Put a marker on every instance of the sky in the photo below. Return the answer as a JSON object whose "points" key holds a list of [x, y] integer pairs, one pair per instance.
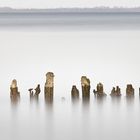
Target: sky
{"points": [[67, 3]]}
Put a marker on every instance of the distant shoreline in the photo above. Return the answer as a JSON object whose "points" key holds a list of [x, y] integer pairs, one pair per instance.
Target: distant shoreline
{"points": [[72, 10]]}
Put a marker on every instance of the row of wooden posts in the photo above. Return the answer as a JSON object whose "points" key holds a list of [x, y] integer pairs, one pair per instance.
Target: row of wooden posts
{"points": [[85, 84]]}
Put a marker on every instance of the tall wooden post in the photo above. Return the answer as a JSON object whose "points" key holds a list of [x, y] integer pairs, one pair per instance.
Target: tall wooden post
{"points": [[49, 87]]}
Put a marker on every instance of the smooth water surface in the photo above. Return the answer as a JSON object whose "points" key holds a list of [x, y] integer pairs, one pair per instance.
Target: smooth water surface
{"points": [[32, 45]]}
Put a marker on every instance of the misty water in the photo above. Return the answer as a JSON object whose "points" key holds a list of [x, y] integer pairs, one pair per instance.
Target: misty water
{"points": [[103, 47], [84, 20]]}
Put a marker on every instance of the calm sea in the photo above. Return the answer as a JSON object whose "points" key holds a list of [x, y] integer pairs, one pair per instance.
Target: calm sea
{"points": [[105, 47]]}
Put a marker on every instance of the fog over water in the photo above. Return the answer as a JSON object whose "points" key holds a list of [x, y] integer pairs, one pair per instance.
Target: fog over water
{"points": [[104, 47]]}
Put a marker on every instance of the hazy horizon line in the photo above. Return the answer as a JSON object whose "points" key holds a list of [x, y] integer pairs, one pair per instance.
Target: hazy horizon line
{"points": [[96, 7]]}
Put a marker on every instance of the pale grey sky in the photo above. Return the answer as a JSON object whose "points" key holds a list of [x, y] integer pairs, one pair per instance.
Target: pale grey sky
{"points": [[67, 3]]}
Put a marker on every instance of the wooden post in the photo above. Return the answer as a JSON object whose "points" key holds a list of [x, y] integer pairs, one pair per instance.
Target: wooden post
{"points": [[85, 83], [74, 93], [49, 87], [116, 92], [14, 93], [130, 90], [99, 92]]}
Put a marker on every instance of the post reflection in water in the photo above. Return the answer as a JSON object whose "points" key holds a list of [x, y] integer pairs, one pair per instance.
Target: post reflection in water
{"points": [[48, 101], [31, 94], [86, 100], [115, 99], [100, 99], [34, 98], [15, 99], [130, 100]]}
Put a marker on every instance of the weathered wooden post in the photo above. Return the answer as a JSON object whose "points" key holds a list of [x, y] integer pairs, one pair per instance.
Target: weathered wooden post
{"points": [[100, 90], [14, 88], [74, 93], [34, 96], [85, 83], [49, 87], [14, 93], [116, 92], [130, 90], [37, 92]]}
